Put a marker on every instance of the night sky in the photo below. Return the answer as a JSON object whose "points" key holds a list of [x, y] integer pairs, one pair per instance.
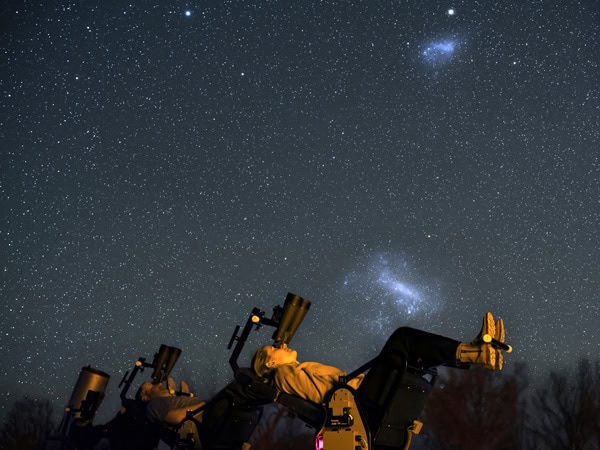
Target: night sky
{"points": [[166, 166]]}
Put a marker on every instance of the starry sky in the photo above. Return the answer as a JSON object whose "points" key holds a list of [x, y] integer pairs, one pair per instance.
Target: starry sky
{"points": [[167, 166]]}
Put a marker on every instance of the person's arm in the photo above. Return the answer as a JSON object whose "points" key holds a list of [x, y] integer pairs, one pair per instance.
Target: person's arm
{"points": [[309, 380], [176, 416], [294, 381]]}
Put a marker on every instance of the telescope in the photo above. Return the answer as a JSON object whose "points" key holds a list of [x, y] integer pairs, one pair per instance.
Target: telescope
{"points": [[291, 316], [286, 320], [88, 393], [164, 361], [163, 364]]}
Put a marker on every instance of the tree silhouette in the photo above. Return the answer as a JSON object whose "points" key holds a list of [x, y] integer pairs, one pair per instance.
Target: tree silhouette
{"points": [[27, 425], [475, 409], [567, 410]]}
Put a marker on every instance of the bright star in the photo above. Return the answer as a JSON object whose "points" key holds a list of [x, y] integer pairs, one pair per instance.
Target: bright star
{"points": [[188, 13], [451, 12]]}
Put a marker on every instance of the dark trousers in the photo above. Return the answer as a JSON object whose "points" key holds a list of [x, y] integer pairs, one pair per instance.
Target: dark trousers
{"points": [[390, 396], [418, 348]]}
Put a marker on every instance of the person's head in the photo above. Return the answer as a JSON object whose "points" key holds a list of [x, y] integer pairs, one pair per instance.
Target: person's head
{"points": [[267, 358], [149, 391]]}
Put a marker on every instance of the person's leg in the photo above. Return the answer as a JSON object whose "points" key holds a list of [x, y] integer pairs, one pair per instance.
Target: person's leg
{"points": [[419, 348], [422, 349], [392, 396]]}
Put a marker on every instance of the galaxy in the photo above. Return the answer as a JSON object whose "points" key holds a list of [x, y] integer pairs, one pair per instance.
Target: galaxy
{"points": [[167, 166], [439, 51], [389, 281]]}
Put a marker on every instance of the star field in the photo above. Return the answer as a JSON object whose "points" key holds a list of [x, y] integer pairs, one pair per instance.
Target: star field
{"points": [[166, 167]]}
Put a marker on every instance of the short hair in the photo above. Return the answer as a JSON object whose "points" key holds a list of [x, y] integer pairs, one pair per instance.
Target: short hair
{"points": [[259, 361], [143, 390]]}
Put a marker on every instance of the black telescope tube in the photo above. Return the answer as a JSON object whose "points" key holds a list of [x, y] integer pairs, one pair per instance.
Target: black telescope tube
{"points": [[294, 310], [163, 363]]}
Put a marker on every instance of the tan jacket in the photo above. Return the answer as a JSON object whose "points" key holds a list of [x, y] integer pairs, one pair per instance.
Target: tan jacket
{"points": [[309, 380]]}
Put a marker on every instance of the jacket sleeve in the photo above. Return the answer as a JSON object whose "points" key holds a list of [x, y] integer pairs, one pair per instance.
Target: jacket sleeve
{"points": [[310, 381]]}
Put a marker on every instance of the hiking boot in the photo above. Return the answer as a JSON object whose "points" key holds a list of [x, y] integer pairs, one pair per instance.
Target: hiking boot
{"points": [[171, 386], [184, 387], [500, 336], [488, 330], [481, 354], [479, 351]]}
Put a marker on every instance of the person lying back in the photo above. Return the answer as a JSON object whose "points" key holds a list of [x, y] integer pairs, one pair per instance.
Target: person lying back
{"points": [[312, 380]]}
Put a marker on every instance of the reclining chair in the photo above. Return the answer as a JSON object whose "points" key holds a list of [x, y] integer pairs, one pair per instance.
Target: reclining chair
{"points": [[392, 399], [381, 415]]}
